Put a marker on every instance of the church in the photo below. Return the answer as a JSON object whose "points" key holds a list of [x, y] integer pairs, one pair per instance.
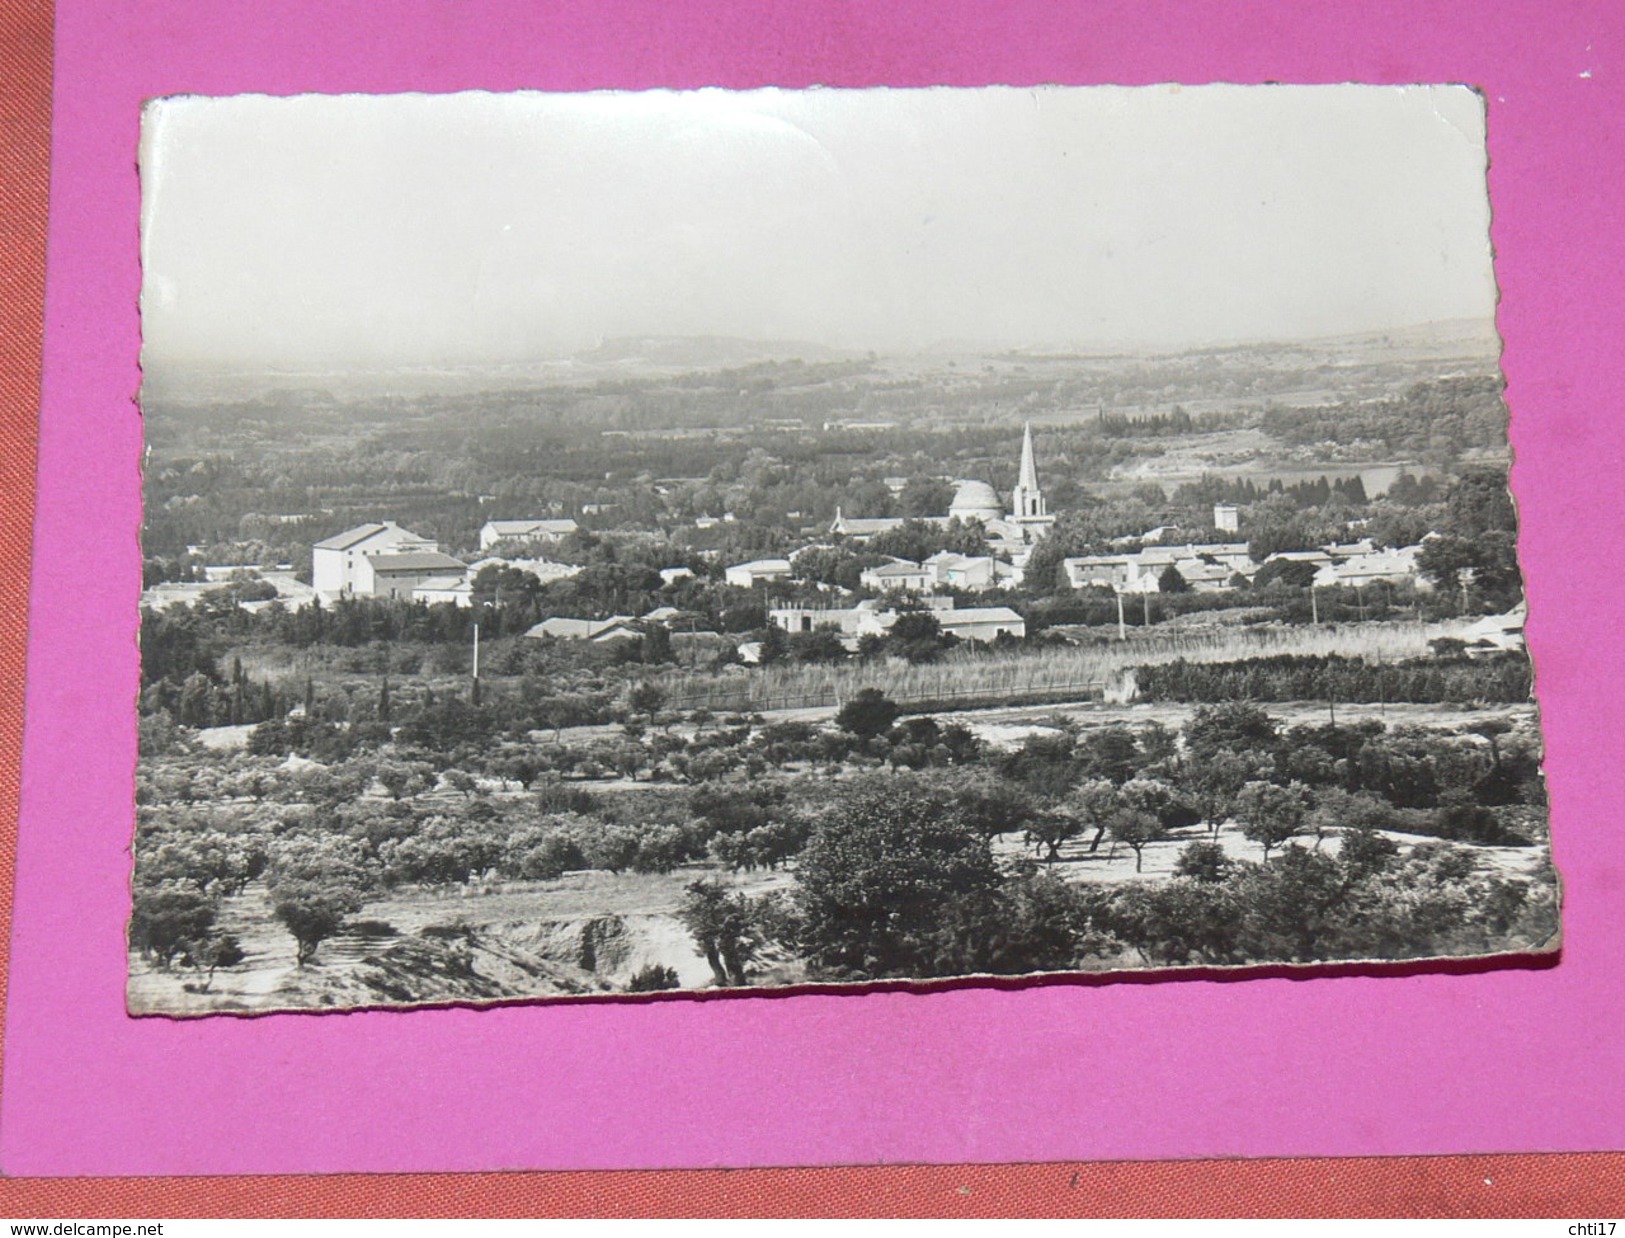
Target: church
{"points": [[1010, 530]]}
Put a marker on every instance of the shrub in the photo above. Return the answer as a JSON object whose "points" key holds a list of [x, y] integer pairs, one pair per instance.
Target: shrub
{"points": [[652, 978], [868, 714]]}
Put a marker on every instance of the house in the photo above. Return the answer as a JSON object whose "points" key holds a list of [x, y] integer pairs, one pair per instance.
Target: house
{"points": [[616, 627], [458, 590], [338, 562], [982, 623], [1392, 566], [976, 623], [400, 574], [1203, 576], [746, 575], [671, 575], [902, 574], [1498, 633], [849, 621], [1110, 571], [494, 531], [972, 573]]}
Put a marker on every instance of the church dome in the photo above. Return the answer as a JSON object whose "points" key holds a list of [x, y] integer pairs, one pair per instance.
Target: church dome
{"points": [[976, 500]]}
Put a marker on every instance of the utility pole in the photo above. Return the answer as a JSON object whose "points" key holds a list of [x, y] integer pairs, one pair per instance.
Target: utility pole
{"points": [[1314, 605], [475, 694], [1122, 626]]}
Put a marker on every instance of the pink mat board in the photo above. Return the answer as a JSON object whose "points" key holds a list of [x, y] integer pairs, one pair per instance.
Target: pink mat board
{"points": [[1499, 1060]]}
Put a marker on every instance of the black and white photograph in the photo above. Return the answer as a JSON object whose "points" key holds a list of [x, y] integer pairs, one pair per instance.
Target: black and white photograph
{"points": [[636, 542]]}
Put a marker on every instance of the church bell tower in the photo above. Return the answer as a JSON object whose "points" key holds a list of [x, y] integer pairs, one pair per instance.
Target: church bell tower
{"points": [[1027, 500]]}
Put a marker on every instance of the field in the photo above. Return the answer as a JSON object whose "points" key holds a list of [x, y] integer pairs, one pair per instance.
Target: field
{"points": [[1058, 674]]}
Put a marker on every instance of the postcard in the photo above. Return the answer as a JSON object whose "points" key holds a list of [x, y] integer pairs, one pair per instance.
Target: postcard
{"points": [[619, 543]]}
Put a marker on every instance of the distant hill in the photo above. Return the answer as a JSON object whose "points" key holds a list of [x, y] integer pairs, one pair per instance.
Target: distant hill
{"points": [[704, 352], [1467, 345], [1450, 336]]}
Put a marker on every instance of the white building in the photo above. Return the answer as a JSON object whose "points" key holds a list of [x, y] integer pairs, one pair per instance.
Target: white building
{"points": [[1226, 517], [899, 574], [400, 575], [1377, 567], [972, 573], [494, 531], [977, 623], [982, 623], [616, 627], [1502, 633], [746, 575], [1203, 576], [457, 590], [850, 621], [339, 562]]}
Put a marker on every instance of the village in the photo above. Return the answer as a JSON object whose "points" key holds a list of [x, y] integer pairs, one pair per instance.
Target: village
{"points": [[383, 560]]}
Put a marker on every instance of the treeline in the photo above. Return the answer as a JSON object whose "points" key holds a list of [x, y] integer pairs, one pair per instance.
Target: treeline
{"points": [[1433, 421], [1156, 425], [1316, 493], [1502, 678]]}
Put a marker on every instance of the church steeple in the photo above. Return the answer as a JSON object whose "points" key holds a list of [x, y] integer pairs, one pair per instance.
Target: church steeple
{"points": [[1028, 479], [1027, 500]]}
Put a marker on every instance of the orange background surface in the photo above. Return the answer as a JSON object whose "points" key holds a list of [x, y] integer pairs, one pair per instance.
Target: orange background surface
{"points": [[1574, 1186]]}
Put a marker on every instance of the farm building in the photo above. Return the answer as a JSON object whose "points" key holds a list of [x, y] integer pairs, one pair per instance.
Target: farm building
{"points": [[982, 623], [1391, 566], [457, 590], [745, 575], [494, 531], [338, 562], [400, 574], [616, 627]]}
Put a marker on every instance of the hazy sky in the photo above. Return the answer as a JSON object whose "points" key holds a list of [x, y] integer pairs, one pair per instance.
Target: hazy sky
{"points": [[321, 232]]}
